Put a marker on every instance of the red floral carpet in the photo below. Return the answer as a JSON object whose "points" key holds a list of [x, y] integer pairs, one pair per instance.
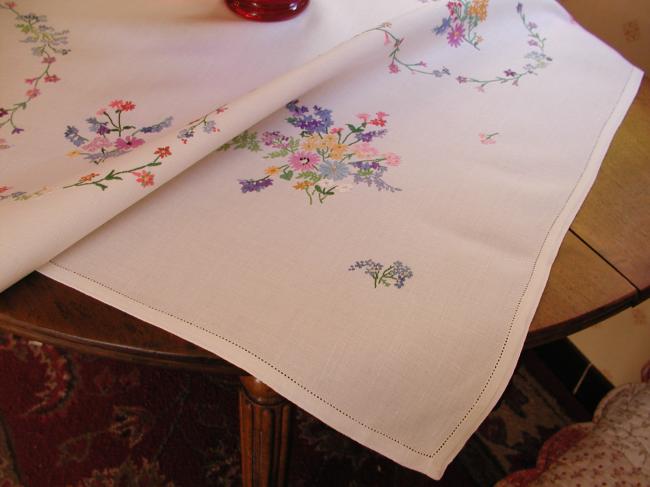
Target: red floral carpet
{"points": [[68, 419]]}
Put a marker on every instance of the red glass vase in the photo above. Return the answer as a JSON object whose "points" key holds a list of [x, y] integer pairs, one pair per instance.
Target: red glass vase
{"points": [[267, 10]]}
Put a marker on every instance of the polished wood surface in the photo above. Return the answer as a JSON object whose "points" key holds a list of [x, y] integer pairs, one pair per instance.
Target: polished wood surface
{"points": [[582, 289], [615, 218], [265, 424], [45, 310]]}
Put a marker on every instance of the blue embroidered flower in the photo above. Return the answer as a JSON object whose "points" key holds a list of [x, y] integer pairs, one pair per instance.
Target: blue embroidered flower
{"points": [[334, 170]]}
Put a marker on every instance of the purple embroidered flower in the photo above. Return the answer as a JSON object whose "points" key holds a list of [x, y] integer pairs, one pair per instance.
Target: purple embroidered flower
{"points": [[532, 43], [455, 35], [368, 136], [510, 72], [443, 27], [532, 25], [250, 185], [461, 79], [102, 129], [520, 8], [320, 121], [3, 112], [275, 139]]}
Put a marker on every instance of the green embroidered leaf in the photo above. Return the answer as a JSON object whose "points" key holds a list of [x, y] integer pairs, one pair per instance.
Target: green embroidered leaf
{"points": [[286, 175], [294, 144], [354, 129], [245, 140], [319, 189], [276, 154]]}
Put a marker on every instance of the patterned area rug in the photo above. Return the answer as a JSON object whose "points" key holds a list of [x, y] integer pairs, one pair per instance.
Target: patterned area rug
{"points": [[68, 419]]}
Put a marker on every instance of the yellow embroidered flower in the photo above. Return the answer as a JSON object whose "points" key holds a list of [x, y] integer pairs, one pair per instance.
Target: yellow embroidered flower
{"points": [[478, 8], [303, 185], [73, 153], [328, 141], [272, 170], [311, 143], [338, 151]]}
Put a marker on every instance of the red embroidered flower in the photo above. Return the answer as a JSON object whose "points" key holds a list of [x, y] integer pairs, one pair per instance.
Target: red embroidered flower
{"points": [[33, 93], [116, 104], [163, 152], [4, 188], [48, 60], [52, 78], [145, 178], [127, 106]]}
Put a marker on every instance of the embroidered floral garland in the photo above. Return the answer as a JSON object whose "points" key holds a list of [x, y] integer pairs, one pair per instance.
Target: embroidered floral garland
{"points": [[48, 42], [142, 176], [537, 56], [110, 131], [464, 16], [208, 126], [396, 61], [395, 274], [322, 157]]}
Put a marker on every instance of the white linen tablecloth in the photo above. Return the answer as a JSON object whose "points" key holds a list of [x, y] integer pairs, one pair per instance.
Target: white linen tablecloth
{"points": [[360, 206]]}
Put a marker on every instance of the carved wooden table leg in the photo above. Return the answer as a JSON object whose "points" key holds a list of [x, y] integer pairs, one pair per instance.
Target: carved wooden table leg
{"points": [[264, 422]]}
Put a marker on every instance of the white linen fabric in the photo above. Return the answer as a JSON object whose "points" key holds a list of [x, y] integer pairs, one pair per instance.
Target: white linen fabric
{"points": [[373, 251]]}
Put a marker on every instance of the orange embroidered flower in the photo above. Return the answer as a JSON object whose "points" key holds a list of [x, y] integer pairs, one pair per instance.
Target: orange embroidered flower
{"points": [[88, 177], [272, 170], [478, 8], [163, 152], [303, 185]]}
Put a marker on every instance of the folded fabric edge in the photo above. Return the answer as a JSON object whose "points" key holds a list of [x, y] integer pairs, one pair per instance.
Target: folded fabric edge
{"points": [[40, 220]]}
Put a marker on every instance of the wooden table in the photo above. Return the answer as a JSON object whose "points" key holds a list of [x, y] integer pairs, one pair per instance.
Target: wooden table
{"points": [[603, 267]]}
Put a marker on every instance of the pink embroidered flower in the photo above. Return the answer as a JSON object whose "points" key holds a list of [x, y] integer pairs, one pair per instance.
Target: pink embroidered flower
{"points": [[509, 72], [455, 35], [97, 143], [392, 159], [48, 60], [144, 177], [336, 130], [52, 78], [363, 116], [128, 142], [101, 112], [386, 39], [10, 4], [488, 138], [116, 104], [30, 81], [393, 68], [163, 152], [364, 150], [303, 161], [33, 93], [4, 188]]}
